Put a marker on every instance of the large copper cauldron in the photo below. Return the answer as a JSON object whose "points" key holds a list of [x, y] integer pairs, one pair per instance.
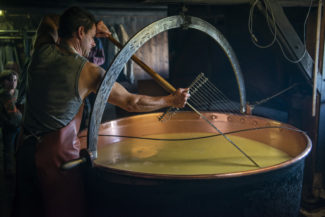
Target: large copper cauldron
{"points": [[272, 191]]}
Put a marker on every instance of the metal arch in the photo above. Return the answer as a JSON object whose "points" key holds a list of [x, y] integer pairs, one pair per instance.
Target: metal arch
{"points": [[133, 45]]}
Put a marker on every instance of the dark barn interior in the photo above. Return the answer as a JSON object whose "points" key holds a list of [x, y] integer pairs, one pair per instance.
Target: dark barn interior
{"points": [[275, 42]]}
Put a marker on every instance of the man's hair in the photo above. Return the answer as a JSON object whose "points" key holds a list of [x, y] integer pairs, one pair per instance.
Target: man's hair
{"points": [[72, 19]]}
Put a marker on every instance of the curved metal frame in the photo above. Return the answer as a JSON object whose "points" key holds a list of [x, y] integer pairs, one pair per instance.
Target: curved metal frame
{"points": [[133, 45]]}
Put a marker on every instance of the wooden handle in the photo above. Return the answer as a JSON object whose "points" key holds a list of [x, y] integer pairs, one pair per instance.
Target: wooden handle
{"points": [[160, 80]]}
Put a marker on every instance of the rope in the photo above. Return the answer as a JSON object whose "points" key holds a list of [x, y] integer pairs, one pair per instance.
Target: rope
{"points": [[268, 8]]}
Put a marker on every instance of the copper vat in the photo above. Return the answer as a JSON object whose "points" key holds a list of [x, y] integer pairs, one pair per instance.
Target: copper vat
{"points": [[272, 191]]}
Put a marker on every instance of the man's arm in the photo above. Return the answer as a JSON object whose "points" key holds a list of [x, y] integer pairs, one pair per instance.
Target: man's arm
{"points": [[47, 31], [92, 75], [120, 97]]}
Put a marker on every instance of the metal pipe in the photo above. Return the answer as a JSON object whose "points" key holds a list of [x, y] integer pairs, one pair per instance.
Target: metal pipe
{"points": [[319, 15], [16, 31], [14, 37]]}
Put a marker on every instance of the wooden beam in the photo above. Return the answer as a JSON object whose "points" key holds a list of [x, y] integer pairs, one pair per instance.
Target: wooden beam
{"points": [[291, 42]]}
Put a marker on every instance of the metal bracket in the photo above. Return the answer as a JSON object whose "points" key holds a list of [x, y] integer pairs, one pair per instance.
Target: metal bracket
{"points": [[187, 20], [133, 45]]}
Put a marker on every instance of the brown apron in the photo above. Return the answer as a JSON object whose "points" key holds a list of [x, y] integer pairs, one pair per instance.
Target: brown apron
{"points": [[63, 191]]}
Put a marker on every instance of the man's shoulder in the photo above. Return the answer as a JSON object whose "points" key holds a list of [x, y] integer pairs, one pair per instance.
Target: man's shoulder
{"points": [[91, 67], [92, 74]]}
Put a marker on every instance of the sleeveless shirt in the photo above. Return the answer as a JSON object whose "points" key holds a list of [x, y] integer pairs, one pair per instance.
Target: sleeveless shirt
{"points": [[52, 97]]}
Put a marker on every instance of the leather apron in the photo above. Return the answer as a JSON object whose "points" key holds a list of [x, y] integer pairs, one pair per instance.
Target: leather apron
{"points": [[63, 191]]}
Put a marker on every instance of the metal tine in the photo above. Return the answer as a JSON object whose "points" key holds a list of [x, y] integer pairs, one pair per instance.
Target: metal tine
{"points": [[196, 79], [167, 115], [194, 87], [196, 84], [199, 94]]}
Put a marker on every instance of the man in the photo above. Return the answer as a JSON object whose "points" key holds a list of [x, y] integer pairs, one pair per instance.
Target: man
{"points": [[59, 79]]}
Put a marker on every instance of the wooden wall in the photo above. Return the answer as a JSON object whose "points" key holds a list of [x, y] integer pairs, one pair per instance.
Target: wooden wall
{"points": [[155, 52]]}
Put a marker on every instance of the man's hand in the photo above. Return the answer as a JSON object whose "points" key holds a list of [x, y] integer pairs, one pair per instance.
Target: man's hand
{"points": [[101, 30], [179, 97]]}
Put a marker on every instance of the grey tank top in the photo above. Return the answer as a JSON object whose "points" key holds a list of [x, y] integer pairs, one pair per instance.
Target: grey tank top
{"points": [[52, 97]]}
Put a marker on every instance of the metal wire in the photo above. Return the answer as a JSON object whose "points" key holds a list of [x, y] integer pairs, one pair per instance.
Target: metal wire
{"points": [[201, 91], [202, 137]]}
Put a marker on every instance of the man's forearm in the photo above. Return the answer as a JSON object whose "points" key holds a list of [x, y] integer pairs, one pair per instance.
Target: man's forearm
{"points": [[142, 103]]}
